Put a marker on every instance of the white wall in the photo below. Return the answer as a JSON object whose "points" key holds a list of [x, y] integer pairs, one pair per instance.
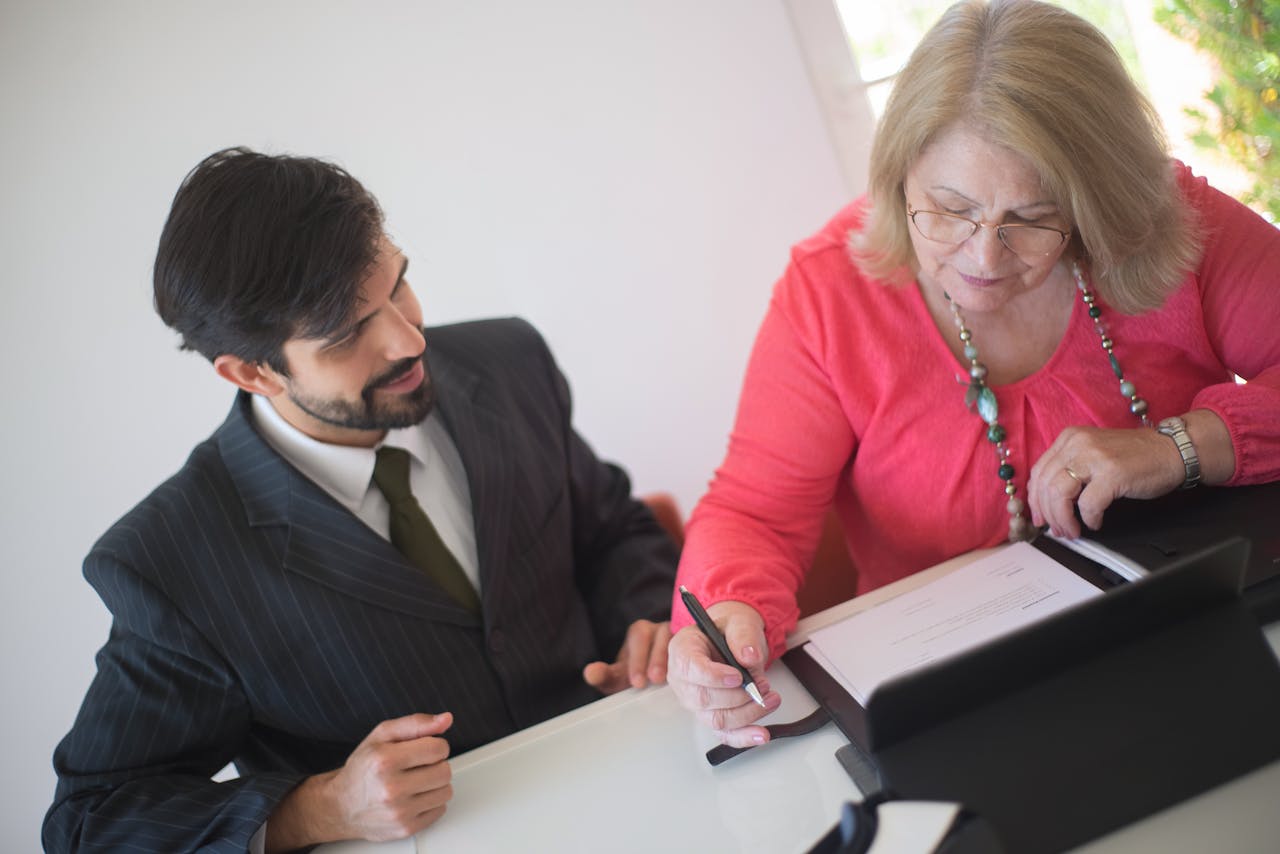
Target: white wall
{"points": [[627, 175]]}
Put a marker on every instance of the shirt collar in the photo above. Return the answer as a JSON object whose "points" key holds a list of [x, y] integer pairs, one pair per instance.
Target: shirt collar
{"points": [[343, 471]]}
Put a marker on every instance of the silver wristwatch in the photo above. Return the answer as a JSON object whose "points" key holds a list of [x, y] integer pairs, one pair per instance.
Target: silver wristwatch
{"points": [[1176, 429]]}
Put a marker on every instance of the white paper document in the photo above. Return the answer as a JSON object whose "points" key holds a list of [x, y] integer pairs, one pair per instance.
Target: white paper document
{"points": [[992, 596], [1125, 567]]}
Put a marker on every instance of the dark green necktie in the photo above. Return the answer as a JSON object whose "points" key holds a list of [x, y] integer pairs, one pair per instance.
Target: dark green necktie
{"points": [[412, 532]]}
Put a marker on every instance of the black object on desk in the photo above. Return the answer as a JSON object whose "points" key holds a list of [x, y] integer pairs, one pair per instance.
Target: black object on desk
{"points": [[1084, 722], [1164, 530], [811, 722], [859, 823]]}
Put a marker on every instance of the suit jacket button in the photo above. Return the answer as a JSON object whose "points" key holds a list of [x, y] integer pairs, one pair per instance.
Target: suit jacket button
{"points": [[497, 642]]}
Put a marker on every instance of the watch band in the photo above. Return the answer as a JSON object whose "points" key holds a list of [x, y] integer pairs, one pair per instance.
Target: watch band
{"points": [[1176, 429]]}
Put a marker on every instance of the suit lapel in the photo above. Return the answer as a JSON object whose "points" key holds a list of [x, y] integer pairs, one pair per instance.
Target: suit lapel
{"points": [[485, 443], [326, 542]]}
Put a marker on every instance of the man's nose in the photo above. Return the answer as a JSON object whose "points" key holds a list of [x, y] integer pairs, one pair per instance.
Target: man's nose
{"points": [[405, 338]]}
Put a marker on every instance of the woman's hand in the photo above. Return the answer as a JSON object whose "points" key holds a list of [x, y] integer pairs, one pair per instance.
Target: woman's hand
{"points": [[713, 689], [1090, 467]]}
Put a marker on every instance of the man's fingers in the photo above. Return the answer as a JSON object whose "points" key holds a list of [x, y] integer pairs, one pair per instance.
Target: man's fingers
{"points": [[605, 678], [633, 658], [406, 816], [409, 727], [595, 673], [657, 670], [395, 782], [428, 818], [428, 781], [645, 652], [641, 660]]}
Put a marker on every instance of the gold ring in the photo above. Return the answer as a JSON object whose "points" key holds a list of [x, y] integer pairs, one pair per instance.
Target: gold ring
{"points": [[1073, 475]]}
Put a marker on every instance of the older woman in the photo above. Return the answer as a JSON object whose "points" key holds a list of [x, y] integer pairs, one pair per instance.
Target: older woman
{"points": [[1034, 311]]}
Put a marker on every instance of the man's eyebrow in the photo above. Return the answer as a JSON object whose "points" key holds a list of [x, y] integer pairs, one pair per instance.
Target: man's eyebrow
{"points": [[341, 335], [404, 268], [347, 331]]}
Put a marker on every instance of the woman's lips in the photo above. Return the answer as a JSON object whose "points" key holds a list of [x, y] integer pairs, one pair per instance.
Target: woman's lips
{"points": [[978, 281]]}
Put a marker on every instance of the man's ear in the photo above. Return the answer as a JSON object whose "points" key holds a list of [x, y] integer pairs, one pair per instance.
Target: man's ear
{"points": [[254, 377]]}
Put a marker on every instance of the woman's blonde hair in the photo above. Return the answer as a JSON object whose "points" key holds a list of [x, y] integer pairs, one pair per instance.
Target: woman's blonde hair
{"points": [[1048, 85]]}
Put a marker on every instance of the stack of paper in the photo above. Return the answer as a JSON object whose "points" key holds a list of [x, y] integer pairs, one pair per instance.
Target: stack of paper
{"points": [[997, 594]]}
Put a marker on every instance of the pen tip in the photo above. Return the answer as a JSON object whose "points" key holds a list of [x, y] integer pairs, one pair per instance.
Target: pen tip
{"points": [[754, 693], [684, 589]]}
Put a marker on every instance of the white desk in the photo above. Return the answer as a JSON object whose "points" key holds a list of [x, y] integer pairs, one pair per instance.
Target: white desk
{"points": [[627, 774]]}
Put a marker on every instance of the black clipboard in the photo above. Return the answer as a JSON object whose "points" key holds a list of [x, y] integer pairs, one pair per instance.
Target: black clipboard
{"points": [[1086, 721], [1162, 531]]}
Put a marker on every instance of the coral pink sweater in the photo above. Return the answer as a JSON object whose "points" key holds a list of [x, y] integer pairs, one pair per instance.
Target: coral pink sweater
{"points": [[852, 397]]}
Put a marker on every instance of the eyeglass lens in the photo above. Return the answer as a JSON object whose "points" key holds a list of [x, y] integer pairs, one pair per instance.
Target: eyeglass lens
{"points": [[1021, 239]]}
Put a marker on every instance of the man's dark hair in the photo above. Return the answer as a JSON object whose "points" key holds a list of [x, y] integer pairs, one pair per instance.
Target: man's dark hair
{"points": [[259, 249]]}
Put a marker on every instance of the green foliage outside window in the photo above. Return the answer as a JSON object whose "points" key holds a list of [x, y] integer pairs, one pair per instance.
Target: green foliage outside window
{"points": [[1243, 37]]}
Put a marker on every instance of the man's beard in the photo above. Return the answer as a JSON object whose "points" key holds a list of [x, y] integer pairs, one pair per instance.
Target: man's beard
{"points": [[403, 410]]}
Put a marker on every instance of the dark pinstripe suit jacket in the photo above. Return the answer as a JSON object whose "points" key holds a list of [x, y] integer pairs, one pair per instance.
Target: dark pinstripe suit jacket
{"points": [[258, 621]]}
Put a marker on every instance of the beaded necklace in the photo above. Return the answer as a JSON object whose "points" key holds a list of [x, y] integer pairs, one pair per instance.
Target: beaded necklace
{"points": [[982, 399]]}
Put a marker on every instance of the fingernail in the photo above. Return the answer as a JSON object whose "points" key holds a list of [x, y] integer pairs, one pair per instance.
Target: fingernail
{"points": [[758, 739]]}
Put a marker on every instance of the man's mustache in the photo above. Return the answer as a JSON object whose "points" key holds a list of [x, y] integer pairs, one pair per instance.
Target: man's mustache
{"points": [[395, 372]]}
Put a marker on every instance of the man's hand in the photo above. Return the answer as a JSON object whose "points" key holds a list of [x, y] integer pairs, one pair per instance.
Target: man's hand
{"points": [[712, 688], [641, 661], [395, 783]]}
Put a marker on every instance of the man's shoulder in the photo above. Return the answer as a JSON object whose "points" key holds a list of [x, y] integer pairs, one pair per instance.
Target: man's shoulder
{"points": [[513, 334], [178, 506], [493, 348]]}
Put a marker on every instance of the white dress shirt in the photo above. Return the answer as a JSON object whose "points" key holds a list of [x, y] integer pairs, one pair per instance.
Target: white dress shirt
{"points": [[436, 476]]}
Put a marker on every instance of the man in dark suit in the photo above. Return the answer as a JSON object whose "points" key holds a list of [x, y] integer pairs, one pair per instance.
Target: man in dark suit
{"points": [[262, 614]]}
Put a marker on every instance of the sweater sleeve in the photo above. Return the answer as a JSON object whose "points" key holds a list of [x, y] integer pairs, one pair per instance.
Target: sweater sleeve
{"points": [[1239, 278], [753, 535]]}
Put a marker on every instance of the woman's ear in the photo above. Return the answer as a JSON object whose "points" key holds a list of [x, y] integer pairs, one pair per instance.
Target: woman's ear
{"points": [[253, 377]]}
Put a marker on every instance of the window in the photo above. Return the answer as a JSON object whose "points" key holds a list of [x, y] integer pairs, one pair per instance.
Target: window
{"points": [[855, 47]]}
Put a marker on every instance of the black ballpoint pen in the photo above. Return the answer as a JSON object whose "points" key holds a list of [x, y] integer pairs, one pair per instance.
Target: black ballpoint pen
{"points": [[708, 627]]}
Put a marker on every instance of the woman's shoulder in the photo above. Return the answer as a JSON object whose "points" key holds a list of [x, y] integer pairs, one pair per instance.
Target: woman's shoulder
{"points": [[1212, 204], [824, 291], [823, 263], [833, 237], [1235, 238]]}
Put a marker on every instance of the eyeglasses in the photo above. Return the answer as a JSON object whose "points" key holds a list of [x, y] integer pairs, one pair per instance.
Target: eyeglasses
{"points": [[1026, 240]]}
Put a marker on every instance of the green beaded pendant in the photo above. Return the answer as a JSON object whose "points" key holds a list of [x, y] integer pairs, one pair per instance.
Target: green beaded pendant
{"points": [[980, 398]]}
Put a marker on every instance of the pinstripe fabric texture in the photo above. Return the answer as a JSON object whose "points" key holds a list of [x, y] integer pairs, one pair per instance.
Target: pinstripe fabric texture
{"points": [[257, 621]]}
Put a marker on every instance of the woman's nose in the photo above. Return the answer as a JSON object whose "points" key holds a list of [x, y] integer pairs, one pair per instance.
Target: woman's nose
{"points": [[985, 247]]}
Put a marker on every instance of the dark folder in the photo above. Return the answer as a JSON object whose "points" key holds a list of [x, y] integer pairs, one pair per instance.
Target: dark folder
{"points": [[1159, 532], [1084, 722]]}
